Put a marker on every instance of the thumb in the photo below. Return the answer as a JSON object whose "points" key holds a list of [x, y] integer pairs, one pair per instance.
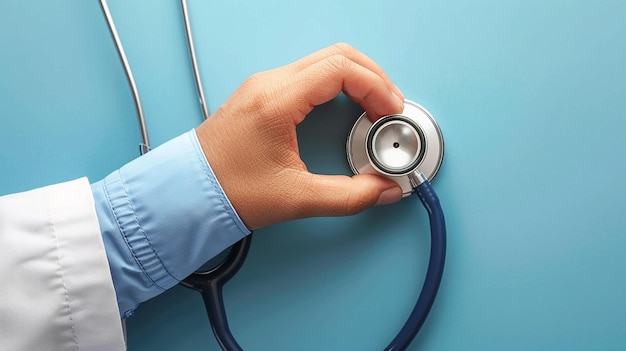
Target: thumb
{"points": [[336, 195]]}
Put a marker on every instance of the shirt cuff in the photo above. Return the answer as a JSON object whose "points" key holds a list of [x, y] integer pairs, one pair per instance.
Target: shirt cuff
{"points": [[162, 216]]}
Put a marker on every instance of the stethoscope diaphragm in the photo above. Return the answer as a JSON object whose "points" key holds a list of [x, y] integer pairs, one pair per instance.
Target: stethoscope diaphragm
{"points": [[397, 145]]}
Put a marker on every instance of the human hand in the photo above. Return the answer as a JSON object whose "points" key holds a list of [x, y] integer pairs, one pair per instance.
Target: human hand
{"points": [[252, 146]]}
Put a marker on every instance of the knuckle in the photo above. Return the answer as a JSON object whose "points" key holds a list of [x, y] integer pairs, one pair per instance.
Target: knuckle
{"points": [[298, 189], [356, 203], [253, 81], [260, 92], [344, 49], [339, 63]]}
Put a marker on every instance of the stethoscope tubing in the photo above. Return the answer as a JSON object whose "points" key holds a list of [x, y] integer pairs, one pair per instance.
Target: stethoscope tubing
{"points": [[430, 200], [210, 283], [144, 147], [194, 60], [145, 141]]}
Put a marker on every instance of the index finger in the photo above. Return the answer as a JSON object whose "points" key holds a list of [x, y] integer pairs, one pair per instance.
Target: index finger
{"points": [[325, 79], [350, 53]]}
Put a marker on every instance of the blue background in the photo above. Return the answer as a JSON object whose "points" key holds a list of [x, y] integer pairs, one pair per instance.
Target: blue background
{"points": [[531, 98]]}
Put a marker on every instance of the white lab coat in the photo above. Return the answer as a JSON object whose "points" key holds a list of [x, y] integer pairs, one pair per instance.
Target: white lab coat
{"points": [[56, 291]]}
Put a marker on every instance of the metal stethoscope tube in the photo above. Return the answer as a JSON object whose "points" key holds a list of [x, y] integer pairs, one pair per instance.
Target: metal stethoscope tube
{"points": [[394, 146], [145, 144], [194, 60]]}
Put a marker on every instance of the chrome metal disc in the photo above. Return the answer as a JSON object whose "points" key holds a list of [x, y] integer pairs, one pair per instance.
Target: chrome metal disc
{"points": [[396, 145]]}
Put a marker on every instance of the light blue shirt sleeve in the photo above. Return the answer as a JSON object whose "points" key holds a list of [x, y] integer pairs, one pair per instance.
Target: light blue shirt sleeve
{"points": [[162, 216]]}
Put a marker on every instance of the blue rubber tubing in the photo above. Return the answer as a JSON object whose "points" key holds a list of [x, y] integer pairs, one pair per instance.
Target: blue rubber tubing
{"points": [[430, 200], [210, 283]]}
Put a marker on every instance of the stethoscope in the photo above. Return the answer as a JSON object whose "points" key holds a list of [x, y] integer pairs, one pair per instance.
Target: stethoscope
{"points": [[406, 148]]}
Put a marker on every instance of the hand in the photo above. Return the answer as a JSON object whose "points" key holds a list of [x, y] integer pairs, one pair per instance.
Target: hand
{"points": [[252, 146]]}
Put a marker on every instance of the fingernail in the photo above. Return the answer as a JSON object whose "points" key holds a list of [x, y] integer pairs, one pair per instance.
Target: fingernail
{"points": [[399, 101], [389, 196], [398, 91]]}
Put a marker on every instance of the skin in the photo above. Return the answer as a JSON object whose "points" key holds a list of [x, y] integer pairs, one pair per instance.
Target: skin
{"points": [[252, 146]]}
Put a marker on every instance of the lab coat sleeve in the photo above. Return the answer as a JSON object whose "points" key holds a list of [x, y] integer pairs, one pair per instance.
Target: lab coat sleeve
{"points": [[162, 216], [56, 292]]}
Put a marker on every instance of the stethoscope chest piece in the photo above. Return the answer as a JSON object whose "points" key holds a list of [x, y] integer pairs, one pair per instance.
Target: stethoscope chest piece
{"points": [[397, 145]]}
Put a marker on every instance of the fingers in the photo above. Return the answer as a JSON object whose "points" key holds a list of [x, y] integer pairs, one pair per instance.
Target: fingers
{"points": [[343, 195], [251, 139], [325, 79], [350, 53]]}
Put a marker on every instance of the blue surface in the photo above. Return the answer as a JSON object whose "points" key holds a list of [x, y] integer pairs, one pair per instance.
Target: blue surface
{"points": [[531, 99]]}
